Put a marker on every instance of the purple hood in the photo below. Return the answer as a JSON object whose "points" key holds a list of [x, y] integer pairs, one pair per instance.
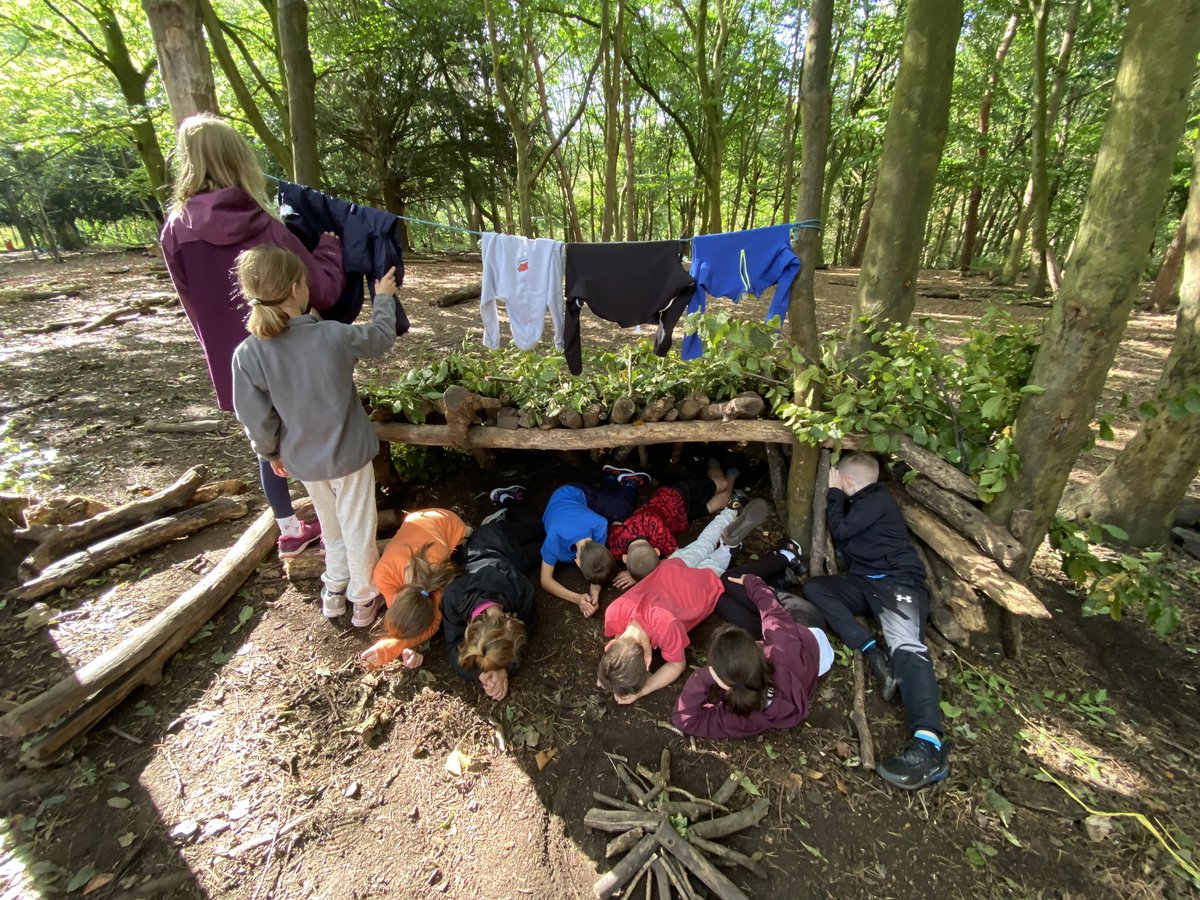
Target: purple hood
{"points": [[224, 217]]}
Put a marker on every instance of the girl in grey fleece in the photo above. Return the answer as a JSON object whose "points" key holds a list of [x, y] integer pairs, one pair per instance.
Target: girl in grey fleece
{"points": [[293, 391]]}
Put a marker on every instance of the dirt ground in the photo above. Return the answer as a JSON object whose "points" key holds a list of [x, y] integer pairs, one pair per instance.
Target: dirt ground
{"points": [[263, 733]]}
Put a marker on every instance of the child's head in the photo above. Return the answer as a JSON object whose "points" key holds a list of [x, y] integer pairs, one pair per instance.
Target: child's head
{"points": [[210, 155], [857, 471], [739, 662], [595, 561], [641, 558], [492, 643], [269, 277], [623, 667], [411, 612]]}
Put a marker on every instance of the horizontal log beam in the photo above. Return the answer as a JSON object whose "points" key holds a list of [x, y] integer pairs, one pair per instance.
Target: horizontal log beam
{"points": [[761, 430]]}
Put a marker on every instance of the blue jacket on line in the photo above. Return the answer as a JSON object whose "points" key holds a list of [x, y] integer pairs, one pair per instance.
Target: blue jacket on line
{"points": [[369, 245], [727, 265]]}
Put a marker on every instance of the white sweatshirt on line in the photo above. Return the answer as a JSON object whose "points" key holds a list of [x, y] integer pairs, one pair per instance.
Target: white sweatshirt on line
{"points": [[526, 274]]}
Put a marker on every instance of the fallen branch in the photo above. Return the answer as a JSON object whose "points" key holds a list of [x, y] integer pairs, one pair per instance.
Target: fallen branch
{"points": [[858, 716], [738, 821], [58, 540], [200, 426], [616, 877], [173, 626], [935, 468], [727, 854], [699, 866], [607, 819], [77, 567], [994, 539], [818, 560], [460, 295]]}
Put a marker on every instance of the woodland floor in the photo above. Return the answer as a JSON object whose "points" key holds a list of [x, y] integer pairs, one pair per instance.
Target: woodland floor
{"points": [[256, 722]]}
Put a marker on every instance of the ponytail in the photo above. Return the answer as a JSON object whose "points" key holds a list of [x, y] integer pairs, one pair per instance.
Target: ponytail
{"points": [[492, 643], [411, 612], [266, 276], [740, 663]]}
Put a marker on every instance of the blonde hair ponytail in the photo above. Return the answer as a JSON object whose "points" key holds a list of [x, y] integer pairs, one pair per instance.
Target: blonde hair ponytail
{"points": [[492, 643], [266, 276], [210, 155]]}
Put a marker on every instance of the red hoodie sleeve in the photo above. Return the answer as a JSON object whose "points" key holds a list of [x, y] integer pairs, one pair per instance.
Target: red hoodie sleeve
{"points": [[779, 629], [325, 276]]}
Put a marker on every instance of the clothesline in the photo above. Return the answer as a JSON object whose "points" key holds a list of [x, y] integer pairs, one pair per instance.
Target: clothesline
{"points": [[804, 223]]}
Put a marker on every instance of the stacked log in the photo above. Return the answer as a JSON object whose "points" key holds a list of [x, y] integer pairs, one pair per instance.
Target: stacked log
{"points": [[652, 848]]}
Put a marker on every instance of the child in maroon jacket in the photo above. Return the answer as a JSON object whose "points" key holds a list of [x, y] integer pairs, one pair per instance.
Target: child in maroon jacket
{"points": [[748, 687]]}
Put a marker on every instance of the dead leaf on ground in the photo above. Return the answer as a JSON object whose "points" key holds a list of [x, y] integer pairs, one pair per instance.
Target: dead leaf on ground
{"points": [[543, 757]]}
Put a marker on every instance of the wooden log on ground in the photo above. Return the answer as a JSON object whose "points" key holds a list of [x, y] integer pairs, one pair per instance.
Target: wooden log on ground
{"points": [[661, 878], [605, 819], [569, 418], [310, 564], [622, 843], [993, 538], [502, 438], [200, 426], [460, 295], [979, 571], [935, 468], [461, 407], [950, 591], [617, 877], [58, 541], [133, 309], [172, 627], [699, 866], [729, 855], [77, 567], [728, 788], [858, 716], [818, 558], [229, 487], [742, 819]]}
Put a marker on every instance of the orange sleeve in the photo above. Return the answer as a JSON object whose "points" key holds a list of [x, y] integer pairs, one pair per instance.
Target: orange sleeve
{"points": [[388, 650]]}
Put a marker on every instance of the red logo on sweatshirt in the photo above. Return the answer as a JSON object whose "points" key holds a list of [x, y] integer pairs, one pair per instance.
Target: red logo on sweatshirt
{"points": [[523, 264]]}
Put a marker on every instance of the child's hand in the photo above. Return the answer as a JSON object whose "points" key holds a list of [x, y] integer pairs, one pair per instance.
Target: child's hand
{"points": [[587, 605], [368, 660], [387, 284], [736, 579], [835, 478], [625, 699], [278, 469], [495, 684], [623, 581], [411, 659]]}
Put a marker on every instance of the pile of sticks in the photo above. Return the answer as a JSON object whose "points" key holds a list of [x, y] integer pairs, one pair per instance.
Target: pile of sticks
{"points": [[668, 842], [79, 701]]}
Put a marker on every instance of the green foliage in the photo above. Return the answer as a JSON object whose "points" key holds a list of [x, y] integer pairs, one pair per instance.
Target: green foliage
{"points": [[428, 465], [22, 465], [1113, 581]]}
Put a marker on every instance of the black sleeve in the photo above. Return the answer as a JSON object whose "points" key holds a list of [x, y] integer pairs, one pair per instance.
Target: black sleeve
{"points": [[848, 519], [668, 318], [572, 346], [454, 629]]}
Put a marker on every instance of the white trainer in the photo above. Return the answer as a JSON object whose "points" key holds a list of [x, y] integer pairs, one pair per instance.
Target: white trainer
{"points": [[366, 611], [333, 603]]}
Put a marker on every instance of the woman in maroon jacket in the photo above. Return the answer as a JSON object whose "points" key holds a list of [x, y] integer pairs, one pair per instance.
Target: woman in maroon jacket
{"points": [[749, 687], [218, 210]]}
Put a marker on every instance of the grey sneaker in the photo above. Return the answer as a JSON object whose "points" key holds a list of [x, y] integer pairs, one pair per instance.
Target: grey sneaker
{"points": [[333, 603], [366, 611], [749, 518]]}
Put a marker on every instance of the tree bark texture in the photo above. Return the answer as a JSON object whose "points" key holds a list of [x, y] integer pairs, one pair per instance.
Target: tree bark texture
{"points": [[1085, 325], [1169, 273], [802, 304], [1039, 221], [301, 90], [1141, 489], [912, 147], [183, 62]]}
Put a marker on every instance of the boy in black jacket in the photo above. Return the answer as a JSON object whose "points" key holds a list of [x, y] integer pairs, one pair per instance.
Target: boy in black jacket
{"points": [[886, 579]]}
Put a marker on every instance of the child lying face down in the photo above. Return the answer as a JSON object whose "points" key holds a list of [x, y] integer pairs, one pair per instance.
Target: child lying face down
{"points": [[749, 686], [659, 611]]}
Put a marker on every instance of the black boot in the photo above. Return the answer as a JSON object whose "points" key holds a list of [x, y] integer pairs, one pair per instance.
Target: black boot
{"points": [[881, 669], [917, 765]]}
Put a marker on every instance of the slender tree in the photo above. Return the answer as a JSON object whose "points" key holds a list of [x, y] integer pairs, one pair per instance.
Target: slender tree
{"points": [[1039, 220], [912, 147], [1085, 325], [802, 304], [301, 90]]}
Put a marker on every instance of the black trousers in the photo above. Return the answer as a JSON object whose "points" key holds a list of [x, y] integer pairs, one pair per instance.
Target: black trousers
{"points": [[736, 608], [525, 528], [901, 609]]}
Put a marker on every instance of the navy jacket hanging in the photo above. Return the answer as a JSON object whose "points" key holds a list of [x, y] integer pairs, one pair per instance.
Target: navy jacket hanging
{"points": [[728, 265], [642, 283], [369, 245]]}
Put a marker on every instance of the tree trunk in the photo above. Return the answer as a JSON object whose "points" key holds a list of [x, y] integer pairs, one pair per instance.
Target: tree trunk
{"points": [[912, 147], [1081, 335], [864, 229], [1039, 219], [301, 91], [627, 133], [981, 153], [802, 304], [572, 213], [1017, 246], [789, 118], [183, 62], [1141, 489], [1164, 291], [612, 53]]}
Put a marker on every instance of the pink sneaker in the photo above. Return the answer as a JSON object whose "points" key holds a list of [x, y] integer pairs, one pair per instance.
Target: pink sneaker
{"points": [[293, 546]]}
